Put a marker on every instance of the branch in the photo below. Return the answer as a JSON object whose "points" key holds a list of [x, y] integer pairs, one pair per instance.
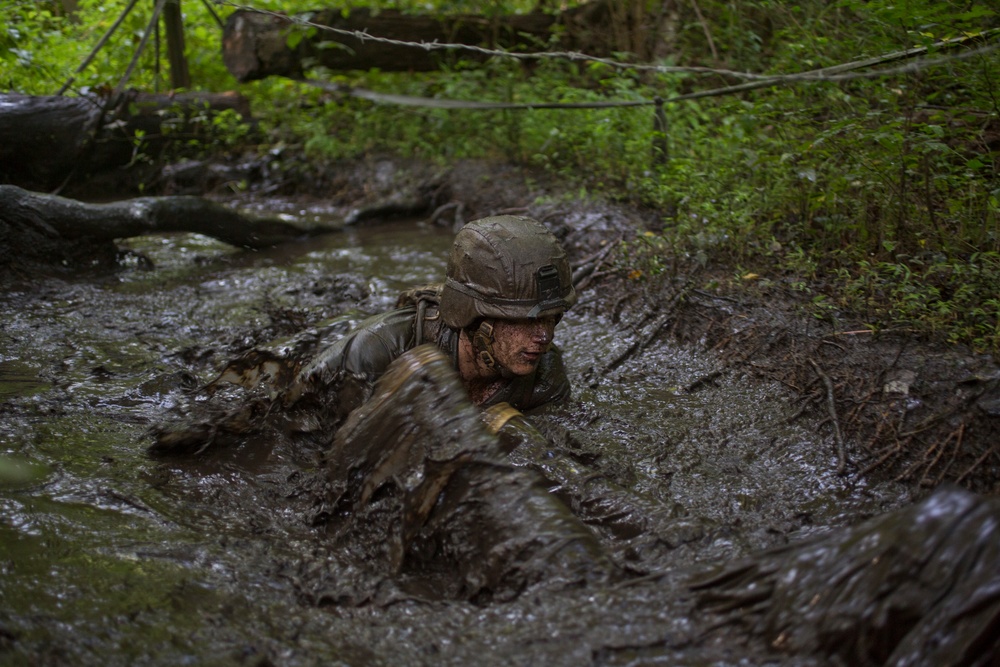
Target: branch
{"points": [[48, 229]]}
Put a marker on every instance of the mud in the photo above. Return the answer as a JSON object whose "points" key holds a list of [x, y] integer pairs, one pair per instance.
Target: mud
{"points": [[109, 556]]}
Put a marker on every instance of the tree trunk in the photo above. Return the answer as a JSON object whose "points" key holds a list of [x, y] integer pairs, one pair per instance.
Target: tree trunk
{"points": [[257, 45], [180, 77], [46, 140], [40, 229]]}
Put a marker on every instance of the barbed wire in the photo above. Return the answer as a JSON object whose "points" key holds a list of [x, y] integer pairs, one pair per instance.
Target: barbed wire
{"points": [[822, 74], [816, 75], [363, 36], [828, 74]]}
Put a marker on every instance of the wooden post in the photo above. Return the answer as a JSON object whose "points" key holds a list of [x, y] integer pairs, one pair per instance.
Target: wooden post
{"points": [[179, 75]]}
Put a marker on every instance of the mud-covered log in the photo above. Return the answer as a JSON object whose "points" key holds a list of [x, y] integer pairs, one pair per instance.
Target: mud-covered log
{"points": [[919, 586], [47, 229], [257, 45], [46, 139], [42, 137]]}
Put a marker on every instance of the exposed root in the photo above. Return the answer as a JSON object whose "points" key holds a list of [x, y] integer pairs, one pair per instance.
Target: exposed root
{"points": [[985, 455], [831, 406]]}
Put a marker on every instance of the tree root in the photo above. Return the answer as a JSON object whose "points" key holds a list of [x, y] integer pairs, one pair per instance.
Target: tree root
{"points": [[831, 406]]}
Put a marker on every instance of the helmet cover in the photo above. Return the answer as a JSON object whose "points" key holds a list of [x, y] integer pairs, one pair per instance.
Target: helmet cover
{"points": [[505, 267]]}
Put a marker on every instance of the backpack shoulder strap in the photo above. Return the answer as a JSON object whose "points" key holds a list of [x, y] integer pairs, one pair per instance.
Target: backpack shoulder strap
{"points": [[425, 298]]}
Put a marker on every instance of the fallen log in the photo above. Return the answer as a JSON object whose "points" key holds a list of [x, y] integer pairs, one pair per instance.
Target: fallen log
{"points": [[256, 45], [40, 229], [46, 140]]}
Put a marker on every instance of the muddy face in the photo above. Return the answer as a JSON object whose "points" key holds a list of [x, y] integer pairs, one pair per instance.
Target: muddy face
{"points": [[519, 344]]}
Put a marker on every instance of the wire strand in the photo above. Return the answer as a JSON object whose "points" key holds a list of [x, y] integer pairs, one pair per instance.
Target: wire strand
{"points": [[819, 74]]}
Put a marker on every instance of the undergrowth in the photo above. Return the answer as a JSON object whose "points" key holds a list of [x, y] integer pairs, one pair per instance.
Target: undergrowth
{"points": [[877, 199]]}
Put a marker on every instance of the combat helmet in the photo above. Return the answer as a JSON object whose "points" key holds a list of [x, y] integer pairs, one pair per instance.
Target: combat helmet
{"points": [[505, 267]]}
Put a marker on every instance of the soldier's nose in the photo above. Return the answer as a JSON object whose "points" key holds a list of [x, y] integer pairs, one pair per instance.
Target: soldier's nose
{"points": [[542, 333]]}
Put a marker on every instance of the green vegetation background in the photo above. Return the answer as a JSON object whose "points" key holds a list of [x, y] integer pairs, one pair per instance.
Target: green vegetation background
{"points": [[875, 199]]}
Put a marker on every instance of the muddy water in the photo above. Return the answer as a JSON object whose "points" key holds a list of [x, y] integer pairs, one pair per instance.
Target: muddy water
{"points": [[109, 557]]}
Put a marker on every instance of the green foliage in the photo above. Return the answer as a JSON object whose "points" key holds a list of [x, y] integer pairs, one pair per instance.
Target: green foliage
{"points": [[43, 47], [877, 198], [933, 293]]}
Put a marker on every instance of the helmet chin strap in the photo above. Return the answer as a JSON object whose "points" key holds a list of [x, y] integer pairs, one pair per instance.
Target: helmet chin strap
{"points": [[482, 344]]}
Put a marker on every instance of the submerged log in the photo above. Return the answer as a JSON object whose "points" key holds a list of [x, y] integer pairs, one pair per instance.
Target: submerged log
{"points": [[50, 230], [45, 140], [257, 45]]}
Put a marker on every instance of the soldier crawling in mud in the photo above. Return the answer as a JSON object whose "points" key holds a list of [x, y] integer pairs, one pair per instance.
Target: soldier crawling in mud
{"points": [[424, 403], [406, 394], [508, 284]]}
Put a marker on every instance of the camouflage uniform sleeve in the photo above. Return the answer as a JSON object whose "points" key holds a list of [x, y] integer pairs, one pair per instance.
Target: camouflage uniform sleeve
{"points": [[364, 352]]}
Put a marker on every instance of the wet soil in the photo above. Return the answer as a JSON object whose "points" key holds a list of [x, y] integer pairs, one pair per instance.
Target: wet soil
{"points": [[722, 407]]}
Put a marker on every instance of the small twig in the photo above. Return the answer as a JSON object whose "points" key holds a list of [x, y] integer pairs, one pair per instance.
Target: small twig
{"points": [[589, 270], [975, 465], [875, 436], [862, 404], [886, 453], [924, 481], [832, 344], [640, 344], [716, 373], [600, 274], [807, 400], [948, 412], [624, 355], [458, 217], [959, 434], [723, 342], [788, 383], [831, 406], [913, 466], [597, 254], [705, 379], [715, 296], [708, 33]]}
